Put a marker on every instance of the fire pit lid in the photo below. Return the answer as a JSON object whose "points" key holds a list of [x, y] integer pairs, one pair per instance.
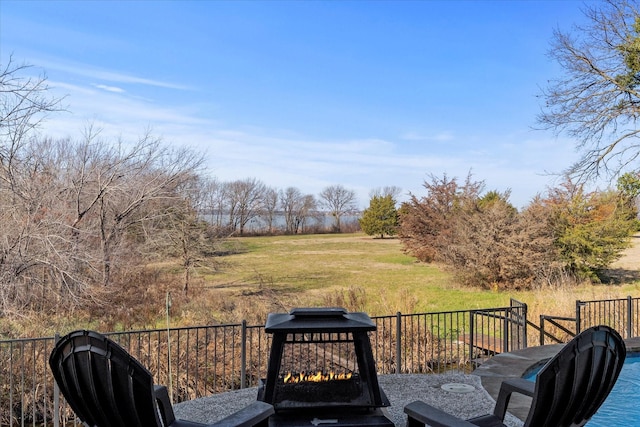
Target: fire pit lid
{"points": [[319, 319]]}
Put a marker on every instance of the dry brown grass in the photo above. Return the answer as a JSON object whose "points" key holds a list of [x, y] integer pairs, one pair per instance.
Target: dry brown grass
{"points": [[362, 273], [277, 273]]}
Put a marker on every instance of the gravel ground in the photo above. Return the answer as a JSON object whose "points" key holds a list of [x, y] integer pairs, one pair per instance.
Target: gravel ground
{"points": [[400, 389]]}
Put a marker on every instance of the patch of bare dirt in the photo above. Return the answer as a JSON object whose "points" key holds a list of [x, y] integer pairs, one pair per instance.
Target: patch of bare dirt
{"points": [[631, 258], [627, 268]]}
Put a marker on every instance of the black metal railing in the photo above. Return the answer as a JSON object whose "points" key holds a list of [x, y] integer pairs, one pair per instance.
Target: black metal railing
{"points": [[622, 314], [554, 321], [199, 361]]}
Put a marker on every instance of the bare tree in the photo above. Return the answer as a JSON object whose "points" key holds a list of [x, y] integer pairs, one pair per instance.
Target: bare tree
{"points": [[94, 200], [245, 202], [27, 185], [298, 208], [184, 233], [28, 245], [24, 104], [290, 200], [597, 101], [270, 205], [148, 174], [214, 205], [75, 211], [340, 201], [382, 192], [306, 210]]}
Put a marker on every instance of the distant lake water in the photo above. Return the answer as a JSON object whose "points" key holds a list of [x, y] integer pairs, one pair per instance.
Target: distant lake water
{"points": [[260, 224]]}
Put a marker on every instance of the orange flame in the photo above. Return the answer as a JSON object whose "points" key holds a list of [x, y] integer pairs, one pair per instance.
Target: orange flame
{"points": [[319, 376]]}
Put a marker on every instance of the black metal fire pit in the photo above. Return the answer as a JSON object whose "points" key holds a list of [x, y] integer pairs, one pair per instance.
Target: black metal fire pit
{"points": [[321, 369]]}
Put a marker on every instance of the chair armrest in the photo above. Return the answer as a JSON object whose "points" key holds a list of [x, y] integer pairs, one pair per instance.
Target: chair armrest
{"points": [[164, 404], [254, 414], [512, 385], [420, 413]]}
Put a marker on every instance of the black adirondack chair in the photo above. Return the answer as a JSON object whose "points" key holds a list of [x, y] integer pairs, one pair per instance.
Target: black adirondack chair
{"points": [[107, 387], [568, 390]]}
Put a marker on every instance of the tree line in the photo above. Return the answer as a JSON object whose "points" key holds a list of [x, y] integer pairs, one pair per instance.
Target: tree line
{"points": [[566, 234], [81, 216], [561, 238], [250, 206]]}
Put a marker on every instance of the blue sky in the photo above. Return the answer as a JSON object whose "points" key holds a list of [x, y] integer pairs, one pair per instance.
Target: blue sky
{"points": [[310, 93]]}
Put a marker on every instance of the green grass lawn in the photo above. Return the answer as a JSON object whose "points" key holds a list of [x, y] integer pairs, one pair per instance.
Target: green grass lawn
{"points": [[360, 273], [318, 269]]}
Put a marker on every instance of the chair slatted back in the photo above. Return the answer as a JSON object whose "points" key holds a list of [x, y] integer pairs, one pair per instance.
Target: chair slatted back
{"points": [[573, 385], [104, 385]]}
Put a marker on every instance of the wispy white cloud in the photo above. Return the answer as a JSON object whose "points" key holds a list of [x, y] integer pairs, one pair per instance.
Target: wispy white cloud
{"points": [[95, 73], [110, 88], [283, 158], [443, 136], [119, 111]]}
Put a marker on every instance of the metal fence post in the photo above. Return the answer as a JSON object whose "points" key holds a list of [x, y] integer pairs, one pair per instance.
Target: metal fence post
{"points": [[472, 328], [398, 343], [524, 323], [542, 329], [170, 385], [56, 394], [243, 356], [579, 316], [629, 317], [506, 334]]}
